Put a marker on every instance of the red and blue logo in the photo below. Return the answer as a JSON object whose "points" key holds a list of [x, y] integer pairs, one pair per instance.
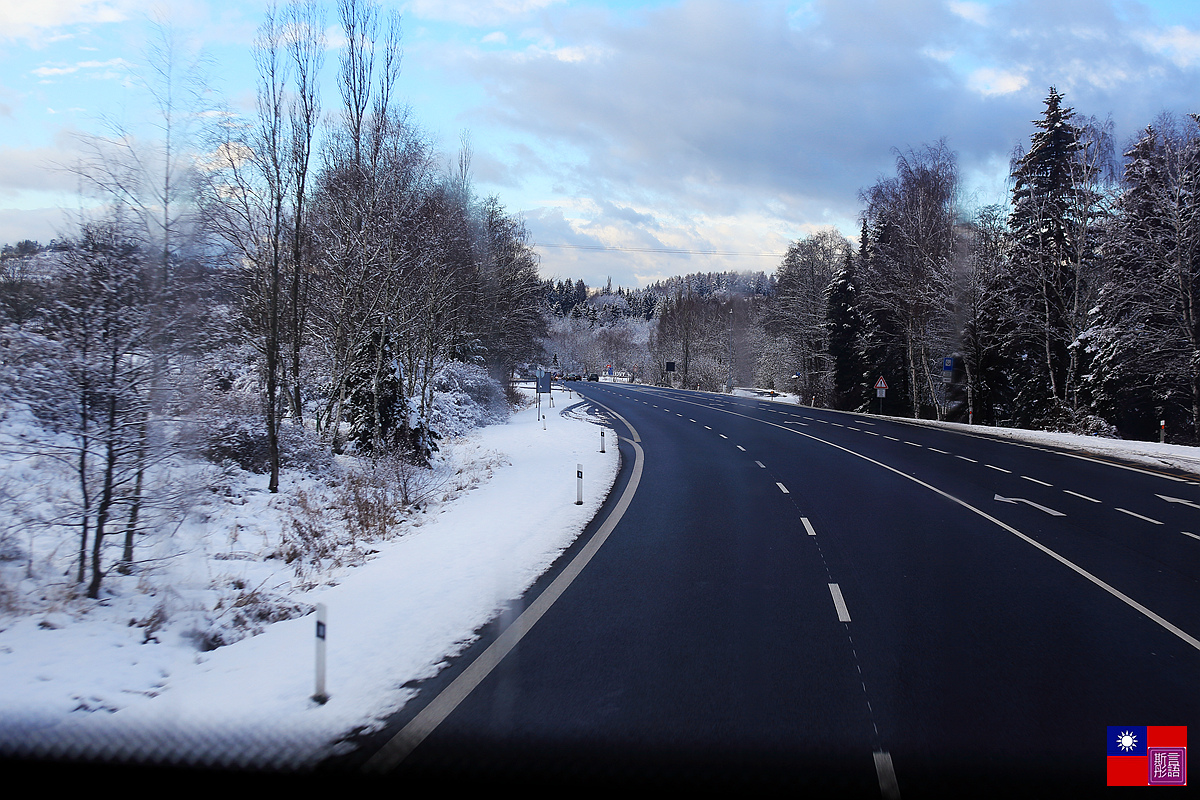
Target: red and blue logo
{"points": [[1147, 755]]}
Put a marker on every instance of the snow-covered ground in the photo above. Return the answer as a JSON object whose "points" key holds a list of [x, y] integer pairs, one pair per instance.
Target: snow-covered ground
{"points": [[99, 680]]}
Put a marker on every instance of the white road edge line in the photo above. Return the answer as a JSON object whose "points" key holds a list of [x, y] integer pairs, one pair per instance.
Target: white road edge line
{"points": [[419, 727], [839, 603], [889, 788]]}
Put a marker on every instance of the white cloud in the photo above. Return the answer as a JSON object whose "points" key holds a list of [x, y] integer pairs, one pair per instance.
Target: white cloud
{"points": [[972, 12], [990, 82], [114, 68], [31, 19], [496, 37], [1179, 44], [477, 12]]}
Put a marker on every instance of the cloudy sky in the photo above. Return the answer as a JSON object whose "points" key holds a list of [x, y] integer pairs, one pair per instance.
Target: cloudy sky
{"points": [[714, 130]]}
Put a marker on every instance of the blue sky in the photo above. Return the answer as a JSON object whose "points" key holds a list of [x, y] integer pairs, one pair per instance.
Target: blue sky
{"points": [[701, 125]]}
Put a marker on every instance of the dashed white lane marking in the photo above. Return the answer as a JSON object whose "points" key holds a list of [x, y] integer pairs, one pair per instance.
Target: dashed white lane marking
{"points": [[1081, 496], [893, 438], [889, 788], [1035, 480], [1139, 516], [914, 444], [839, 603], [723, 436], [1194, 536], [761, 465], [964, 458], [999, 469], [943, 452], [808, 526], [782, 488], [739, 447], [707, 428]]}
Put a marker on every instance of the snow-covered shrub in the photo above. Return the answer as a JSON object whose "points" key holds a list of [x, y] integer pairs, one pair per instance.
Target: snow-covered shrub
{"points": [[245, 612], [465, 397], [243, 441]]}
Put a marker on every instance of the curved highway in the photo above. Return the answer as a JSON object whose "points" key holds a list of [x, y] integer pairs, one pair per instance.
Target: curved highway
{"points": [[842, 602]]}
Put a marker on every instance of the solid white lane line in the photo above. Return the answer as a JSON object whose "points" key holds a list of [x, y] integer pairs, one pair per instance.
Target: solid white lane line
{"points": [[1139, 516], [1081, 496], [1035, 480], [889, 788], [839, 603], [420, 726], [808, 526], [782, 488]]}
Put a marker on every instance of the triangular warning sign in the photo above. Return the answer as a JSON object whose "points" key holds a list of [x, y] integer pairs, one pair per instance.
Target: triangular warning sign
{"points": [[881, 383]]}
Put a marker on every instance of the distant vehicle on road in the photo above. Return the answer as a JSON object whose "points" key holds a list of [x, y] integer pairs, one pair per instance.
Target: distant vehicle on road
{"points": [[593, 377]]}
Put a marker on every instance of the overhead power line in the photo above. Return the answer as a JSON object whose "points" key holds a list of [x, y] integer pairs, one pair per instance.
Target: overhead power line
{"points": [[660, 250]]}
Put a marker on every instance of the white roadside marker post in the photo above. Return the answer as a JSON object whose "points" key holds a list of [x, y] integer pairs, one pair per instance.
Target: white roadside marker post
{"points": [[320, 695], [1162, 431], [579, 478], [602, 441]]}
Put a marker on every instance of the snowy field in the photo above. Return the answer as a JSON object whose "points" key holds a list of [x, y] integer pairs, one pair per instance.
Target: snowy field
{"points": [[110, 678]]}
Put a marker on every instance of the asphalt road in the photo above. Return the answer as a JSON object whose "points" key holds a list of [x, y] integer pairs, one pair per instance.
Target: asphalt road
{"points": [[840, 602]]}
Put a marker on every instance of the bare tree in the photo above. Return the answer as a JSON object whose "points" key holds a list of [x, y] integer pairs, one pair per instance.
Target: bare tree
{"points": [[910, 272]]}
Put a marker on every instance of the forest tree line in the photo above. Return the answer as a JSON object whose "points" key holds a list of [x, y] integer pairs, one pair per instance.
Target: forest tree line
{"points": [[260, 288], [1073, 307]]}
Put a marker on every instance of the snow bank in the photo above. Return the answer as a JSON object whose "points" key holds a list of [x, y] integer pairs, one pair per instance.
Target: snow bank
{"points": [[109, 680]]}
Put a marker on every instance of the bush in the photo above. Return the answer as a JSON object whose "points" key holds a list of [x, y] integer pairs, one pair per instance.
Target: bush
{"points": [[243, 441], [465, 397]]}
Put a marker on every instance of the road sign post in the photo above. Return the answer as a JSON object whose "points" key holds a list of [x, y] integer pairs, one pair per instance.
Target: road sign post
{"points": [[880, 391]]}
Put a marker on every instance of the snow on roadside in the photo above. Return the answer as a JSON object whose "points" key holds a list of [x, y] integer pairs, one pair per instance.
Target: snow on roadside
{"points": [[1152, 454], [92, 688]]}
